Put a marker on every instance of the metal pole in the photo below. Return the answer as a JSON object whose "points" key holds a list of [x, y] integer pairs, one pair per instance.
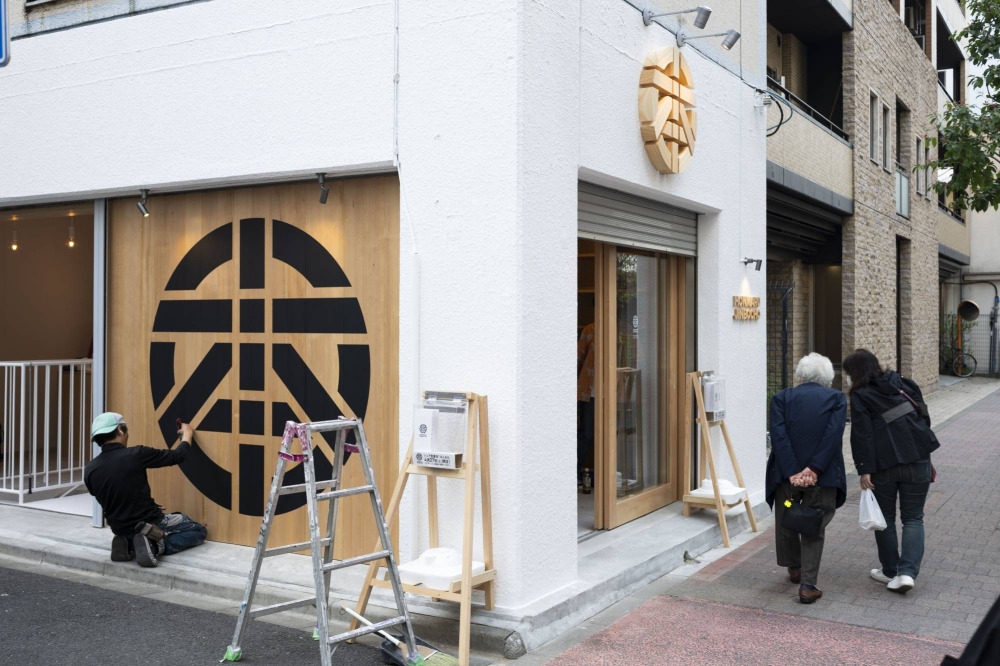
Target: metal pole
{"points": [[784, 338]]}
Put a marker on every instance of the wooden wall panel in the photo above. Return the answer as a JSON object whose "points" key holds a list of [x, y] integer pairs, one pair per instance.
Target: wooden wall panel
{"points": [[359, 228]]}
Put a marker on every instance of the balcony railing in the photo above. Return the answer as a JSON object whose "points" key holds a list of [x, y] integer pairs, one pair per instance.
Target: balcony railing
{"points": [[806, 109], [953, 214], [902, 194]]}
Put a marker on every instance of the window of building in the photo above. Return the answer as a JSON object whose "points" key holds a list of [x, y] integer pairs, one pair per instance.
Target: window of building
{"points": [[886, 140], [927, 171], [919, 172], [873, 127]]}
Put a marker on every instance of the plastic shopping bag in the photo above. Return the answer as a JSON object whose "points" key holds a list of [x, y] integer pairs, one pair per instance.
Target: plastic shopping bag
{"points": [[871, 515]]}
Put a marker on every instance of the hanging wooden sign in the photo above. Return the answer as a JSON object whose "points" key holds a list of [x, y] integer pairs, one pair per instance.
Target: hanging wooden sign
{"points": [[669, 120]]}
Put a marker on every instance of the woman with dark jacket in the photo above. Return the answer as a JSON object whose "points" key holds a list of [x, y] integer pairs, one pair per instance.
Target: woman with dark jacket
{"points": [[807, 464], [891, 440]]}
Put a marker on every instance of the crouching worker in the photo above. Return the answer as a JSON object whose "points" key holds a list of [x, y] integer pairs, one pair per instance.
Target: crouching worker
{"points": [[117, 478]]}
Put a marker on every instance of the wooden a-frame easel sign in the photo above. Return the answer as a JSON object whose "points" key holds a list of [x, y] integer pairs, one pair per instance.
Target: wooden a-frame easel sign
{"points": [[715, 502]]}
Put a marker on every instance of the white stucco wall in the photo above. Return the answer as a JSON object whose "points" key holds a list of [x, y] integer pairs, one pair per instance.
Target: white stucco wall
{"points": [[503, 106], [725, 181]]}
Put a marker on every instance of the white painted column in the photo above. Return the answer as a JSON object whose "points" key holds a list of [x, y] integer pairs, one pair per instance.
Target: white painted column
{"points": [[99, 367]]}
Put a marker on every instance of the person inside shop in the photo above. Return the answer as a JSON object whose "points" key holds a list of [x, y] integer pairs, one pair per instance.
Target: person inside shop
{"points": [[117, 478], [892, 441], [585, 404], [806, 467]]}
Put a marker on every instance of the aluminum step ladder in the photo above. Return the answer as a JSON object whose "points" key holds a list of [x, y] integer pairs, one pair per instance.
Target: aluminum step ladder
{"points": [[323, 565]]}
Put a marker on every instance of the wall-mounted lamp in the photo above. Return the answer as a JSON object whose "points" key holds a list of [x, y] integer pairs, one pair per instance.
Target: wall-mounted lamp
{"points": [[324, 191], [748, 260], [731, 37], [700, 21], [142, 203]]}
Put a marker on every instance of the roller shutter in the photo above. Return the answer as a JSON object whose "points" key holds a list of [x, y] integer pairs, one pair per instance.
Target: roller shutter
{"points": [[615, 217]]}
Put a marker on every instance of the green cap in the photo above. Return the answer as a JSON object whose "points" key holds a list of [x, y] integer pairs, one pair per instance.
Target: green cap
{"points": [[105, 423]]}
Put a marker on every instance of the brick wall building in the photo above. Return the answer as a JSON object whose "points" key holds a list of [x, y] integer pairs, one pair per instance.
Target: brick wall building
{"points": [[884, 250], [851, 225]]}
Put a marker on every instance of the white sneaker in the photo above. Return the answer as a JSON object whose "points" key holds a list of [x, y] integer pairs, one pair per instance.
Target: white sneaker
{"points": [[901, 584], [880, 577]]}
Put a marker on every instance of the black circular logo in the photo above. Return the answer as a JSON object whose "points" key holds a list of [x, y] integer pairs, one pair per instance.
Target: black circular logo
{"points": [[419, 457], [423, 428], [316, 316]]}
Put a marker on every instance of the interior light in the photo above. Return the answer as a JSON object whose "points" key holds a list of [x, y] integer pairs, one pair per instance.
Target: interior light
{"points": [[13, 241]]}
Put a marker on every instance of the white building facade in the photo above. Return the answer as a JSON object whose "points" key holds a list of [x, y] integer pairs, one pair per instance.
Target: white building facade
{"points": [[493, 121]]}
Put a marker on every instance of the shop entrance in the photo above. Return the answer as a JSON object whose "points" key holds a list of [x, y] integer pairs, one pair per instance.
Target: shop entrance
{"points": [[635, 310], [46, 347]]}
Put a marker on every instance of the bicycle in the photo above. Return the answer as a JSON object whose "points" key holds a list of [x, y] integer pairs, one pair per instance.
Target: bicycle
{"points": [[958, 362]]}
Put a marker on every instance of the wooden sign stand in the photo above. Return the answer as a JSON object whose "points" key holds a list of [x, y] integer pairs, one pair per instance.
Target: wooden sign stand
{"points": [[692, 501], [460, 590]]}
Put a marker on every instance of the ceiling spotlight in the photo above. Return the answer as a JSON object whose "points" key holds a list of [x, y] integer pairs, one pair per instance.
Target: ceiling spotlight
{"points": [[324, 191], [142, 203], [748, 260], [731, 37], [13, 241], [700, 21]]}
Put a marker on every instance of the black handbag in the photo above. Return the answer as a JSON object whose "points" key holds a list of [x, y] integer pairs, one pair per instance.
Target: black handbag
{"points": [[803, 519]]}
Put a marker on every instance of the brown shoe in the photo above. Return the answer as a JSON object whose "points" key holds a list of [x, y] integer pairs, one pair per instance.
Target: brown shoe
{"points": [[795, 575], [809, 595]]}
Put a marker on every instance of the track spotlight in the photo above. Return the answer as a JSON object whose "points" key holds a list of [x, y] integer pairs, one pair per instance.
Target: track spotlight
{"points": [[324, 191], [700, 21], [731, 37], [748, 260], [142, 203]]}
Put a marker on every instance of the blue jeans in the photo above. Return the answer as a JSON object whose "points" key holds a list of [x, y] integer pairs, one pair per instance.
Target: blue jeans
{"points": [[910, 482], [181, 533]]}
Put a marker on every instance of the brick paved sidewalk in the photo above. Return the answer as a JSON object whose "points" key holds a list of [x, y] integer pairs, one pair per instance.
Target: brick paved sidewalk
{"points": [[960, 576]]}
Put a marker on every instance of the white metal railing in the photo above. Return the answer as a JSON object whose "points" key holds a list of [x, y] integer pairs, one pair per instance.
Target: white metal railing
{"points": [[45, 414], [902, 194]]}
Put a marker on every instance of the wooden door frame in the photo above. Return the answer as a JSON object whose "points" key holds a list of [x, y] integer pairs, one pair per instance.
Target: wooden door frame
{"points": [[609, 511]]}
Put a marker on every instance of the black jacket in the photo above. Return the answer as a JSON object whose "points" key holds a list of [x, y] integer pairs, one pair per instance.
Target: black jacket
{"points": [[878, 441], [807, 430], [117, 478]]}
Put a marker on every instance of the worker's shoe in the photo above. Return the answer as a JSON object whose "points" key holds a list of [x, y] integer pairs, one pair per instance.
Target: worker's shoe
{"points": [[122, 550], [795, 575], [808, 594]]}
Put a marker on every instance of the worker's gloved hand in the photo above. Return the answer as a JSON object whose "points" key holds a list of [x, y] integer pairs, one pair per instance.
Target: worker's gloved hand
{"points": [[187, 432]]}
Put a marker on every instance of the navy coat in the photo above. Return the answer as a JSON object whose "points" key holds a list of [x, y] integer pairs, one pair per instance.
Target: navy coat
{"points": [[807, 429]]}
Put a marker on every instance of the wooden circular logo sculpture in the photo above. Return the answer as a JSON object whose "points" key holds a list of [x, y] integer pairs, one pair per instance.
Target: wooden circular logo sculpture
{"points": [[666, 110]]}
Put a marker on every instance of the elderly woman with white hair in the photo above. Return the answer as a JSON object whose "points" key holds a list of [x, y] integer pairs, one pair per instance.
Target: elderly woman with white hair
{"points": [[806, 480]]}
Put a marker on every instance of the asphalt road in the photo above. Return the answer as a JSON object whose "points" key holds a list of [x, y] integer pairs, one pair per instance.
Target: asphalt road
{"points": [[50, 621]]}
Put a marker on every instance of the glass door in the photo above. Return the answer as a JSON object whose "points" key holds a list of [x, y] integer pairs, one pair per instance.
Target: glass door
{"points": [[644, 313]]}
